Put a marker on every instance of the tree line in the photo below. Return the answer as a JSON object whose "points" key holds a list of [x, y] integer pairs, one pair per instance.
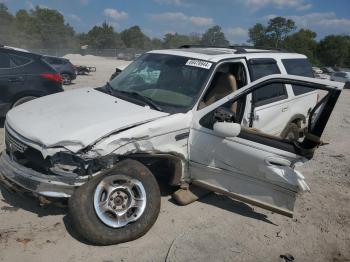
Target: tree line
{"points": [[47, 28]]}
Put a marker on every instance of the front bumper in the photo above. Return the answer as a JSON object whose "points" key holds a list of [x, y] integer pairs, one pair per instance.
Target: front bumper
{"points": [[12, 173]]}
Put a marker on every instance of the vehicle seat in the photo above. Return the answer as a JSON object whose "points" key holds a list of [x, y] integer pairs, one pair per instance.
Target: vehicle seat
{"points": [[225, 85]]}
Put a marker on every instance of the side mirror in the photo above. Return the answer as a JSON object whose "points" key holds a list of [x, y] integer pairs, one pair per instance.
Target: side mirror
{"points": [[227, 129]]}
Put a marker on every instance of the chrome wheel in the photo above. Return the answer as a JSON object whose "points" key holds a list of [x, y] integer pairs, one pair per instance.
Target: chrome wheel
{"points": [[119, 200], [66, 80]]}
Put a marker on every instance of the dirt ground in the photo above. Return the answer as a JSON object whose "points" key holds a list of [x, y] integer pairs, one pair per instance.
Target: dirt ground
{"points": [[216, 228]]}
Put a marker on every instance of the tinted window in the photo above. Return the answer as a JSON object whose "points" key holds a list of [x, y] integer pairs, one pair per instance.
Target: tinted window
{"points": [[299, 67], [19, 60], [53, 61], [4, 61], [270, 93], [340, 74]]}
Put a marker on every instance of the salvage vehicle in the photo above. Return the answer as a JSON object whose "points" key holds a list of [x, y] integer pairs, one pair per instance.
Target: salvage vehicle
{"points": [[229, 120], [23, 77], [63, 66]]}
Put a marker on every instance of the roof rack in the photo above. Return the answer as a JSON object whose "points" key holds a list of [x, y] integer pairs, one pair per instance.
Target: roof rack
{"points": [[240, 49], [202, 46]]}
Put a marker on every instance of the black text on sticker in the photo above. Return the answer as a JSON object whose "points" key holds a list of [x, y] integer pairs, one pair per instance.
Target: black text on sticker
{"points": [[199, 63]]}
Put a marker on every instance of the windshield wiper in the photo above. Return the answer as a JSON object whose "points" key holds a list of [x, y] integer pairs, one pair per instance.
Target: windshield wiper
{"points": [[145, 99], [109, 88]]}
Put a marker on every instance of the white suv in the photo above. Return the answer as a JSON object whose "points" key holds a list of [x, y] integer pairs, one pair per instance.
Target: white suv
{"points": [[230, 120]]}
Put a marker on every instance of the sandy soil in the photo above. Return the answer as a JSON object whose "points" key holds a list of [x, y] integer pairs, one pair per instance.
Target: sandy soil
{"points": [[216, 228], [105, 68]]}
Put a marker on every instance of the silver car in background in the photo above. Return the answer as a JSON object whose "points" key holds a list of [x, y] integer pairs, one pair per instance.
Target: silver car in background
{"points": [[341, 77]]}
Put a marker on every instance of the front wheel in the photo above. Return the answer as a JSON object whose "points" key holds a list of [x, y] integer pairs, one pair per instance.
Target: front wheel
{"points": [[118, 206]]}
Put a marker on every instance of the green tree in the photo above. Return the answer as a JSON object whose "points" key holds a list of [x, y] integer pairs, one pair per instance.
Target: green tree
{"points": [[278, 29], [6, 25], [334, 50], [100, 37], [303, 42], [176, 40], [215, 37], [258, 36], [50, 26], [273, 34], [133, 37]]}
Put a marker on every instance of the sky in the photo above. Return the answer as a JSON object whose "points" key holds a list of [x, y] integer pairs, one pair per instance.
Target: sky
{"points": [[158, 17]]}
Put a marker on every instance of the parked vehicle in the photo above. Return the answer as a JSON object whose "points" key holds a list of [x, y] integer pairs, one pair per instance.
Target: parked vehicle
{"points": [[117, 71], [23, 77], [85, 70], [343, 77], [328, 70], [64, 67], [230, 120], [317, 70]]}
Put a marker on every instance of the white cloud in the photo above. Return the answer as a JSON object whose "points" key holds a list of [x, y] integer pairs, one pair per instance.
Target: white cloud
{"points": [[74, 17], [178, 17], [84, 2], [327, 22], [236, 34], [115, 14], [237, 31], [30, 5], [46, 7], [170, 2], [297, 4]]}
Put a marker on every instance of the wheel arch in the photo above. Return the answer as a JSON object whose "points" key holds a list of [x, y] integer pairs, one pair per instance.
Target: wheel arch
{"points": [[26, 93], [294, 119], [163, 166]]}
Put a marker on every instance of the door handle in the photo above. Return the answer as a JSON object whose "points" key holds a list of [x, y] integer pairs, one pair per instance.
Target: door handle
{"points": [[15, 79], [284, 109], [276, 161]]}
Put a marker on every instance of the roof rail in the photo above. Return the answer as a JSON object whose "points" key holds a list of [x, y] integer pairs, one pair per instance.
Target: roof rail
{"points": [[202, 46], [240, 49]]}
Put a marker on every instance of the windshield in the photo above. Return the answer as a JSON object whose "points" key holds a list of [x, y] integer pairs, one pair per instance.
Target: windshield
{"points": [[171, 82]]}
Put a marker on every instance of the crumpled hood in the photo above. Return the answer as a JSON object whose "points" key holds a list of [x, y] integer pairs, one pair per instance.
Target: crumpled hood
{"points": [[76, 119]]}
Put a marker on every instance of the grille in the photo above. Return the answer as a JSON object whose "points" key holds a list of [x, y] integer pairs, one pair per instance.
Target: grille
{"points": [[13, 144], [24, 154]]}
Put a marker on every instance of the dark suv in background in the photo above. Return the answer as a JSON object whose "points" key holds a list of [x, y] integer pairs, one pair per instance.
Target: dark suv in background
{"points": [[64, 67], [23, 77]]}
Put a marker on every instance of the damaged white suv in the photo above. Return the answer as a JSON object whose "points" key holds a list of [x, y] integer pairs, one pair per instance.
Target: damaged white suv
{"points": [[231, 120]]}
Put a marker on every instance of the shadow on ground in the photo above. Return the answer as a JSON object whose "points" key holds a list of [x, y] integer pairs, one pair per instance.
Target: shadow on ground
{"points": [[2, 122], [29, 203]]}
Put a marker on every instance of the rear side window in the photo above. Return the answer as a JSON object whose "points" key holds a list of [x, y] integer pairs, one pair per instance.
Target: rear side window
{"points": [[299, 67], [271, 93], [5, 61], [19, 60]]}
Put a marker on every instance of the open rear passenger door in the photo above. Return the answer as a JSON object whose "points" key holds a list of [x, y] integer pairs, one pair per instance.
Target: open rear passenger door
{"points": [[247, 164]]}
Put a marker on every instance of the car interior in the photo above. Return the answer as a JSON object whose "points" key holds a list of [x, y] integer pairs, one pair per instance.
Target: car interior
{"points": [[227, 79]]}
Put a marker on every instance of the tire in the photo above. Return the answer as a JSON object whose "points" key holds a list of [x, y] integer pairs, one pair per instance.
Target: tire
{"points": [[292, 133], [22, 100], [86, 215], [66, 79]]}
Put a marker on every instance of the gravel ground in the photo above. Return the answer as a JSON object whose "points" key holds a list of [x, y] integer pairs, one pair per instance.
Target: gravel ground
{"points": [[216, 228]]}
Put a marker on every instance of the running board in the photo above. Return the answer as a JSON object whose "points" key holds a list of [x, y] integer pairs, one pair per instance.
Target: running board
{"points": [[241, 198]]}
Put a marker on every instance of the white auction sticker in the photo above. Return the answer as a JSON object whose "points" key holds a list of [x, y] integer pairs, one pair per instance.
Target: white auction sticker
{"points": [[199, 63]]}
